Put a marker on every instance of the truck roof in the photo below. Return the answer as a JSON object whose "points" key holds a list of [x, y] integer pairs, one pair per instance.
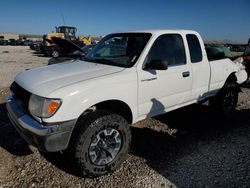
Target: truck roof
{"points": [[162, 31]]}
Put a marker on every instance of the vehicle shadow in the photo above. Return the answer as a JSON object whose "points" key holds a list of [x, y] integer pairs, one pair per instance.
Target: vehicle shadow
{"points": [[175, 136], [10, 140], [246, 85], [63, 164], [193, 141]]}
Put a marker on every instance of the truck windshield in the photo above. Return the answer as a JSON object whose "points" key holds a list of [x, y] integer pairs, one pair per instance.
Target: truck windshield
{"points": [[121, 49]]}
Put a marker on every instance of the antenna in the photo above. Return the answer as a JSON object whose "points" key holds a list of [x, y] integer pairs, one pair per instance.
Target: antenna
{"points": [[63, 18]]}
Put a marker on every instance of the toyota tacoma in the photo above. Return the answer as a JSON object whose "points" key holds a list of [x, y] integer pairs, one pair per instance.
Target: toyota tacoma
{"points": [[86, 107]]}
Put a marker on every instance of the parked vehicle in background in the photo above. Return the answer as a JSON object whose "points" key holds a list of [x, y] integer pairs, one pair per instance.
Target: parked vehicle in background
{"points": [[23, 42], [12, 42], [246, 57], [58, 49], [27, 42], [71, 56], [85, 108], [225, 49], [36, 46], [19, 42], [4, 42], [50, 51], [214, 53], [67, 49], [215, 49]]}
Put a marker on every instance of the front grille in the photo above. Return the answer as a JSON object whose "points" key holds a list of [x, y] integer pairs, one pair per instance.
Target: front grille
{"points": [[21, 94]]}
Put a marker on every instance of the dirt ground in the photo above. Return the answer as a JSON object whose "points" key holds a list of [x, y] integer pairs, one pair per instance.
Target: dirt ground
{"points": [[190, 147], [15, 59]]}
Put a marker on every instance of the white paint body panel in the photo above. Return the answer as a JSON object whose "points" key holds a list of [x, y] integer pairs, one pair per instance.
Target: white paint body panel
{"points": [[168, 89], [44, 80], [81, 85]]}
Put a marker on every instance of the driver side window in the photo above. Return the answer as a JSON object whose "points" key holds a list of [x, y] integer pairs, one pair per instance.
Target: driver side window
{"points": [[170, 48]]}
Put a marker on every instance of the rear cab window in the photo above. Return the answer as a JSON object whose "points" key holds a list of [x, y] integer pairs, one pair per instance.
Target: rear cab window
{"points": [[194, 48]]}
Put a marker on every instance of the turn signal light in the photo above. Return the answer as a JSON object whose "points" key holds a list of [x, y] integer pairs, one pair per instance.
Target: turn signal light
{"points": [[52, 107]]}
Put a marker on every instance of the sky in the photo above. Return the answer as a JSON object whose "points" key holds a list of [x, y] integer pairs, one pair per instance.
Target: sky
{"points": [[213, 19]]}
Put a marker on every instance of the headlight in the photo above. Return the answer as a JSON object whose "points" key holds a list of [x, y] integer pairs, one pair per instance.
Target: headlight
{"points": [[43, 107]]}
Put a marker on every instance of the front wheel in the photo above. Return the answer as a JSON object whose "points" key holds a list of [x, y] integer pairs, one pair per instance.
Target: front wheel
{"points": [[55, 54], [100, 143], [226, 100]]}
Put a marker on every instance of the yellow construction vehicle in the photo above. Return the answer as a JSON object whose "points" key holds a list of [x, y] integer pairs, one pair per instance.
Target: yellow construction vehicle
{"points": [[49, 48], [66, 32], [85, 40]]}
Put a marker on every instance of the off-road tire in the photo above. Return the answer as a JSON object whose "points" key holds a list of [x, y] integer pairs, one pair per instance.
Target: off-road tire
{"points": [[86, 129], [225, 101]]}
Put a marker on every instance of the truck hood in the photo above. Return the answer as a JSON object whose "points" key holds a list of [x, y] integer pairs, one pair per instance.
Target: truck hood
{"points": [[44, 80]]}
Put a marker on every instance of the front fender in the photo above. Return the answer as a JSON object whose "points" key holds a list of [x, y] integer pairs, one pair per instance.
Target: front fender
{"points": [[79, 97]]}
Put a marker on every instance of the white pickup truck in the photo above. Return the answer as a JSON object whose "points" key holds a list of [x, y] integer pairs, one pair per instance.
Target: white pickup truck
{"points": [[85, 107]]}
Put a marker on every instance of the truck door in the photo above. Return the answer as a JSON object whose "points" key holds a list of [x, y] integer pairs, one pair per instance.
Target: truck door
{"points": [[164, 89]]}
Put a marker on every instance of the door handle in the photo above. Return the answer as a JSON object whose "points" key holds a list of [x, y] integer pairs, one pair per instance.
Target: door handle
{"points": [[186, 74], [149, 79]]}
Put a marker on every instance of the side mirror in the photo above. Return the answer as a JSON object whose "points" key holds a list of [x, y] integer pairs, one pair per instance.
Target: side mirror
{"points": [[157, 64]]}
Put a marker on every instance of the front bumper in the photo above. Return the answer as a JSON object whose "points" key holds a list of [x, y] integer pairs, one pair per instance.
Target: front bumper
{"points": [[49, 138]]}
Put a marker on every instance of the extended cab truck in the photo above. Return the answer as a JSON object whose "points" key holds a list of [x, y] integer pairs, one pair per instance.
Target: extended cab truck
{"points": [[86, 107]]}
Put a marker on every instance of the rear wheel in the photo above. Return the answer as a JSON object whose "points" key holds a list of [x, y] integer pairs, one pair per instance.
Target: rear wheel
{"points": [[100, 143], [226, 100]]}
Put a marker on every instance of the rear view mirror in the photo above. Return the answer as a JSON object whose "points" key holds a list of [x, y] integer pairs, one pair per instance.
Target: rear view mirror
{"points": [[157, 64]]}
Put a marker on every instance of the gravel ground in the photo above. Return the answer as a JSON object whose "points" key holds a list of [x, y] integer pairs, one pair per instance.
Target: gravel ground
{"points": [[15, 59], [189, 147]]}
